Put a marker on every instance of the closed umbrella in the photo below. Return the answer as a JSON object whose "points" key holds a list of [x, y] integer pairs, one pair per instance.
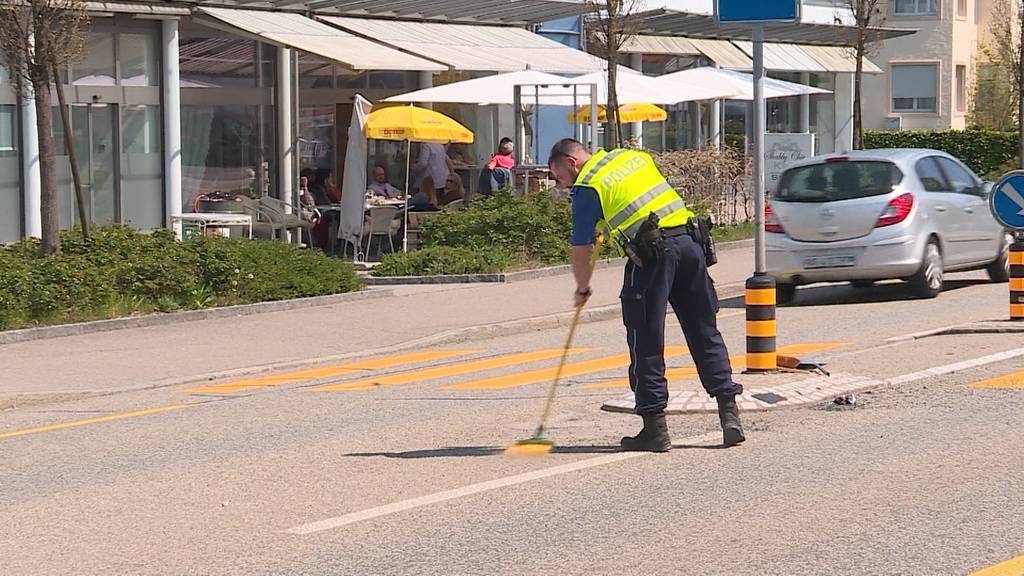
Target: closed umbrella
{"points": [[414, 124]]}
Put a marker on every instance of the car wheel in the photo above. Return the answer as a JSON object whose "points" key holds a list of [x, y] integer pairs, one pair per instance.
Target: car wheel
{"points": [[999, 269], [862, 284], [927, 283], [785, 293]]}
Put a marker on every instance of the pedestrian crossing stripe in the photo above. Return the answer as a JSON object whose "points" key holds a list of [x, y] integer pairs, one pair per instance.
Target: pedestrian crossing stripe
{"points": [[448, 370], [1008, 381], [547, 374], [739, 361], [356, 367]]}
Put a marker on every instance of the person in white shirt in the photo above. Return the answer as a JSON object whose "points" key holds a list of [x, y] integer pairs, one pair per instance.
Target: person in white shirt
{"points": [[433, 161], [380, 186]]}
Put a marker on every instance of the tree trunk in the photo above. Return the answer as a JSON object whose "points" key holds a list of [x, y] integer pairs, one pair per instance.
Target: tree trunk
{"points": [[613, 138], [858, 75], [48, 171], [69, 143]]}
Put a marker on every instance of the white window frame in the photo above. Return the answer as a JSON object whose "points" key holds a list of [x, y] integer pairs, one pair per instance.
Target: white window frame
{"points": [[918, 11], [938, 85]]}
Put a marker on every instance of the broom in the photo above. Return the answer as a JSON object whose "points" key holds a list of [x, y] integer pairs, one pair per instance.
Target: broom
{"points": [[538, 445]]}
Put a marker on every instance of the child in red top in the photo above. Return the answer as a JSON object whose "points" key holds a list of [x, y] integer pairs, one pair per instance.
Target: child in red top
{"points": [[503, 157]]}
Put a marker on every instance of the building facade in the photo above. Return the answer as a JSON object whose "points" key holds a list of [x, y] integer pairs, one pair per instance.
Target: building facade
{"points": [[929, 77]]}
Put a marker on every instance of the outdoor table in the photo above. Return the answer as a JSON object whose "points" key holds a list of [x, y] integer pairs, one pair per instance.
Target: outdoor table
{"points": [[207, 220]]}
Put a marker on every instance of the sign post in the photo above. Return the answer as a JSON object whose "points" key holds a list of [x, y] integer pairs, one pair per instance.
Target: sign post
{"points": [[1007, 205], [760, 293]]}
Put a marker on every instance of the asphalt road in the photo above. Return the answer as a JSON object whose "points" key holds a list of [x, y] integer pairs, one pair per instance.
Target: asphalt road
{"points": [[319, 474]]}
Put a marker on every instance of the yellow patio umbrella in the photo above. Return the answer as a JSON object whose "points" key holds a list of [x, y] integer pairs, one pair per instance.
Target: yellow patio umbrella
{"points": [[414, 124], [627, 113]]}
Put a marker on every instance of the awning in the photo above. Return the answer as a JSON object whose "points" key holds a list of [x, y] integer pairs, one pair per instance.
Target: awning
{"points": [[138, 8], [517, 12], [669, 45], [784, 57], [723, 53], [474, 48], [839, 59], [297, 31]]}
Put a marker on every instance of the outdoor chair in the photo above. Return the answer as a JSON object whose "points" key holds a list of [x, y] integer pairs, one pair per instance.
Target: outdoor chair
{"points": [[455, 205], [279, 211], [379, 224], [264, 225]]}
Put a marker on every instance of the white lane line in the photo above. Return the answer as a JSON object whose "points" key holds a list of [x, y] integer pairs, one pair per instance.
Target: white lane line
{"points": [[957, 367], [403, 505]]}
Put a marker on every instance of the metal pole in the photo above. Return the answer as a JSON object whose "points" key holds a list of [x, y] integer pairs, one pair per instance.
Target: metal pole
{"points": [[593, 118], [517, 121], [32, 179], [172, 126], [285, 136], [759, 128]]}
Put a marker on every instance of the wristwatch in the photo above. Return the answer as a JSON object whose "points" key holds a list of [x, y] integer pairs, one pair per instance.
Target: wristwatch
{"points": [[585, 294]]}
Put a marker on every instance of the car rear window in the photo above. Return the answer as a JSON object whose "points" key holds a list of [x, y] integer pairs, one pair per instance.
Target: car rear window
{"points": [[834, 181]]}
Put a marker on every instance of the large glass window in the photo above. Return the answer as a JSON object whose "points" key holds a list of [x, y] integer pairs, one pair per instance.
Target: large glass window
{"points": [[218, 63], [96, 68], [10, 175], [915, 7], [316, 137], [141, 167], [221, 151], [915, 88], [140, 65], [961, 88]]}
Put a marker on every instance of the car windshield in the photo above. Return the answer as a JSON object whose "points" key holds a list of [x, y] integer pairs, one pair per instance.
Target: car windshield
{"points": [[834, 181]]}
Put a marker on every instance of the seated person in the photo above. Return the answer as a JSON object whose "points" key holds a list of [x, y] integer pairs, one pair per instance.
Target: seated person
{"points": [[380, 186], [426, 199], [503, 157], [323, 189], [453, 190]]}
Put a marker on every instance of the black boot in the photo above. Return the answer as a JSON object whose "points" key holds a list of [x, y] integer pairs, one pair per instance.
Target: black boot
{"points": [[653, 438], [729, 416]]}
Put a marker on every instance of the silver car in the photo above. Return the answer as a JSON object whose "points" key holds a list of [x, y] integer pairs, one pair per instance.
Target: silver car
{"points": [[875, 215]]}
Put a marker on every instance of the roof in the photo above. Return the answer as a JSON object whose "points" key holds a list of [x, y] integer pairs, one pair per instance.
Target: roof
{"points": [[475, 48], [673, 45], [784, 57], [839, 59], [723, 53], [668, 22], [296, 31], [509, 12]]}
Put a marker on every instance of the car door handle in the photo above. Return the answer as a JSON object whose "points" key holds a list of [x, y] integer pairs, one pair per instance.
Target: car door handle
{"points": [[969, 210], [940, 208]]}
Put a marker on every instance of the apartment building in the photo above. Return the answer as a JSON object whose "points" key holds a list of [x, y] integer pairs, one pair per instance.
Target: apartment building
{"points": [[928, 77]]}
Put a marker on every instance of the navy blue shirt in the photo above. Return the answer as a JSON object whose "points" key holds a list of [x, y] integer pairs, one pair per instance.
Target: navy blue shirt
{"points": [[586, 213]]}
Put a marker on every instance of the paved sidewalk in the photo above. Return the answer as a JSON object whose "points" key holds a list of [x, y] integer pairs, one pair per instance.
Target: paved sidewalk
{"points": [[415, 315]]}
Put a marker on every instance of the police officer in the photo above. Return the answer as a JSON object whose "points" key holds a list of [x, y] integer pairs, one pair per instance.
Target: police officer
{"points": [[624, 192]]}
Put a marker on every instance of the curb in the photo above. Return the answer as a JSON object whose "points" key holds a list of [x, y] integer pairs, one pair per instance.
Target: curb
{"points": [[157, 319], [507, 277]]}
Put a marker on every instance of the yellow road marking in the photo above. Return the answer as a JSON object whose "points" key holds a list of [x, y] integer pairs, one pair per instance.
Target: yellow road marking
{"points": [[1012, 567], [1009, 381], [447, 371], [546, 374], [740, 361], [88, 421], [327, 371]]}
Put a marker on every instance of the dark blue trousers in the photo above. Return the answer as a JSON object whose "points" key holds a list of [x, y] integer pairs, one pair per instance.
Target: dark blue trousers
{"points": [[681, 279]]}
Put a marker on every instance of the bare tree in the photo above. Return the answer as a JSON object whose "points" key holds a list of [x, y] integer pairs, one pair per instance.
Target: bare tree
{"points": [[1005, 32], [37, 38], [615, 23], [868, 17]]}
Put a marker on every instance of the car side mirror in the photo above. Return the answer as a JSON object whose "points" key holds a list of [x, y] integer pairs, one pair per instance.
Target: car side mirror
{"points": [[985, 190]]}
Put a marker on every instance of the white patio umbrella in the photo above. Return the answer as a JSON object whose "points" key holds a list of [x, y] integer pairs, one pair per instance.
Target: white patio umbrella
{"points": [[497, 89], [741, 83], [641, 89]]}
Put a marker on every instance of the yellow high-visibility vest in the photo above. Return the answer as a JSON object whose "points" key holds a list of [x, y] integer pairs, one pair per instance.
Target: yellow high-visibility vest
{"points": [[630, 187]]}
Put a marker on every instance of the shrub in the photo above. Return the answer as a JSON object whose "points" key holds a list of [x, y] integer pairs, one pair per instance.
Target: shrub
{"points": [[711, 181], [527, 229], [440, 260], [984, 151], [126, 272]]}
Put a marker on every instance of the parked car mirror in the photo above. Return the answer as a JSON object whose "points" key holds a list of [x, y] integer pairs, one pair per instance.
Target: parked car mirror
{"points": [[985, 190]]}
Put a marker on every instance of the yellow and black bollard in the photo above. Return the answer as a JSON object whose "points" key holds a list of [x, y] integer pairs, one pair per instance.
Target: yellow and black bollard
{"points": [[761, 330], [1017, 280]]}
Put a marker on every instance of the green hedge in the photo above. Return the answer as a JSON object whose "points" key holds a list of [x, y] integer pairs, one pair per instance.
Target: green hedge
{"points": [[442, 260], [124, 272], [985, 151]]}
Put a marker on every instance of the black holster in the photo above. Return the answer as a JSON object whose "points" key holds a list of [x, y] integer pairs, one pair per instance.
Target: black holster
{"points": [[700, 231], [648, 246]]}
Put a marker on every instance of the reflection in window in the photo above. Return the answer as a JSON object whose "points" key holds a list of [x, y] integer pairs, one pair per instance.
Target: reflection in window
{"points": [[10, 175], [96, 68], [220, 150], [139, 64], [218, 63], [141, 167], [316, 137]]}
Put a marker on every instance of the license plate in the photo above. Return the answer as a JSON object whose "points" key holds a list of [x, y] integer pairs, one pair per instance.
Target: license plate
{"points": [[830, 261]]}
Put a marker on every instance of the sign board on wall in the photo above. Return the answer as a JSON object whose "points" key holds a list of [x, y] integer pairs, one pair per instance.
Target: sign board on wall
{"points": [[783, 150]]}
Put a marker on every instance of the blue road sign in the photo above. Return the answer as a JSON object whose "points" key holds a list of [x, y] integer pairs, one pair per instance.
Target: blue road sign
{"points": [[1007, 200], [745, 11]]}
